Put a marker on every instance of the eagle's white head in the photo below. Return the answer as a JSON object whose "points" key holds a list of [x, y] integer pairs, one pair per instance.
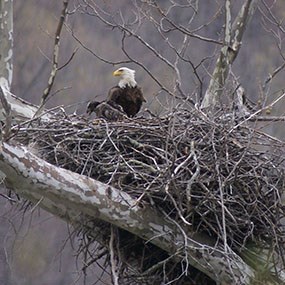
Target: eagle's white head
{"points": [[127, 77]]}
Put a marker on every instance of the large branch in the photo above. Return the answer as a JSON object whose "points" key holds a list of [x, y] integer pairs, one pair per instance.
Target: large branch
{"points": [[232, 43], [20, 110], [68, 194]]}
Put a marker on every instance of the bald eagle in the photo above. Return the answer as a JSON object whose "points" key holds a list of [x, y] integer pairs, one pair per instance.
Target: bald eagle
{"points": [[127, 93]]}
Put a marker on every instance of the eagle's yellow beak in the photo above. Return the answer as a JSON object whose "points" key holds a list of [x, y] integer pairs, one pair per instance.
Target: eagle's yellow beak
{"points": [[117, 72]]}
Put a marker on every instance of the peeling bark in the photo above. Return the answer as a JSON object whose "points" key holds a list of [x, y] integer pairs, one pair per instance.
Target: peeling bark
{"points": [[20, 109]]}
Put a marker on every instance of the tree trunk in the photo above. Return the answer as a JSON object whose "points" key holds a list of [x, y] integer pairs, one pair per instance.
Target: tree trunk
{"points": [[229, 51], [6, 41]]}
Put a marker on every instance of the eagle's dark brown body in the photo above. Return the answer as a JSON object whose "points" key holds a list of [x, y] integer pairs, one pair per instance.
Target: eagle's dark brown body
{"points": [[130, 98]]}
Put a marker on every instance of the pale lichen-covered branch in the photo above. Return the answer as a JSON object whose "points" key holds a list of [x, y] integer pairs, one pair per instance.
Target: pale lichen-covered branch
{"points": [[21, 110], [6, 40], [229, 51]]}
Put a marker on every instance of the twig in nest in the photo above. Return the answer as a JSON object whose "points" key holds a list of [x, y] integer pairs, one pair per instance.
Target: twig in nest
{"points": [[195, 174], [54, 58], [255, 114], [8, 198], [268, 119]]}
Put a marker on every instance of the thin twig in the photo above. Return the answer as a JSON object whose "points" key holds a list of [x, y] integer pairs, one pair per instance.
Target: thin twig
{"points": [[54, 58]]}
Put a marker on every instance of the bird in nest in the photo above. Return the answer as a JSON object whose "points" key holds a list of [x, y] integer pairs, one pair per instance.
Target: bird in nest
{"points": [[124, 99], [107, 110]]}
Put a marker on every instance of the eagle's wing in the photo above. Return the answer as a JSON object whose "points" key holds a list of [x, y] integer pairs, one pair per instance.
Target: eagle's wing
{"points": [[114, 94], [137, 99], [140, 94], [130, 98], [120, 97]]}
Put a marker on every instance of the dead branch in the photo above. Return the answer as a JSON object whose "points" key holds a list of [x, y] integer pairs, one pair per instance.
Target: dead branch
{"points": [[268, 119], [114, 268], [54, 58]]}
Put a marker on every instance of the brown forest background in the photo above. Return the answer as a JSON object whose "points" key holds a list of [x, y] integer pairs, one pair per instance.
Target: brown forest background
{"points": [[36, 248]]}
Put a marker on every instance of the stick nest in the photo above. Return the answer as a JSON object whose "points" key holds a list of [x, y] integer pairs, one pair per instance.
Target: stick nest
{"points": [[210, 176]]}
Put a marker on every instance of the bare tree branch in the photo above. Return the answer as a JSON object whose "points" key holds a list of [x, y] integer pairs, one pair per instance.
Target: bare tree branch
{"points": [[183, 29], [54, 58]]}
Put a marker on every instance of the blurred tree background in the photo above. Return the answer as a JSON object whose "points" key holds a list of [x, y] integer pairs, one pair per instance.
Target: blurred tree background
{"points": [[37, 248]]}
